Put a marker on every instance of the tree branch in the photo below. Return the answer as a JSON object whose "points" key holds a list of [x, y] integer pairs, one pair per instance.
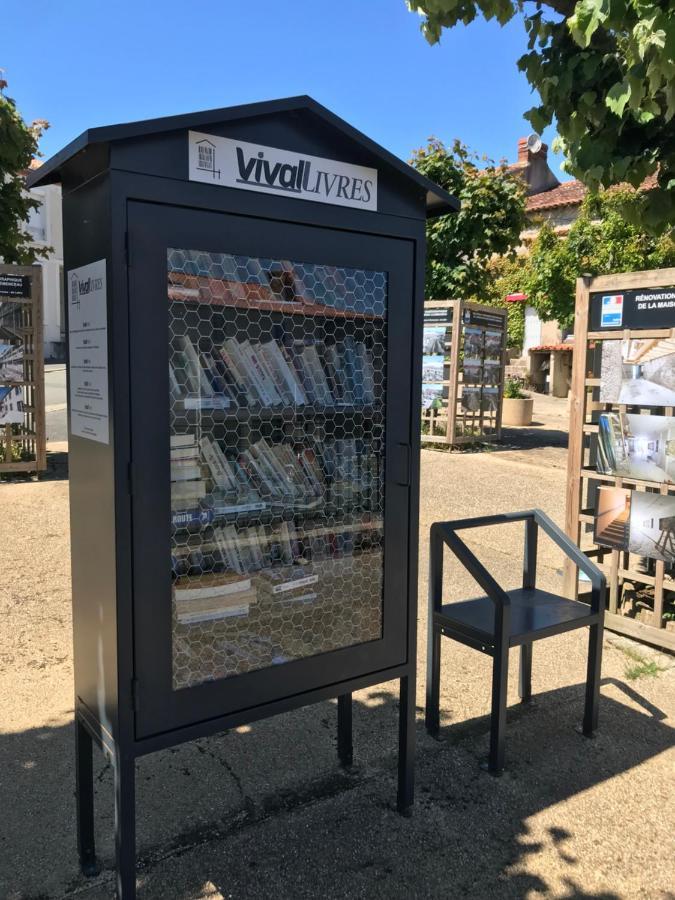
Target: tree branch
{"points": [[564, 8]]}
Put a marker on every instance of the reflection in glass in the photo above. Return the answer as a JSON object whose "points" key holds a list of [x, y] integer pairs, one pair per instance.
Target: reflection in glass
{"points": [[277, 398]]}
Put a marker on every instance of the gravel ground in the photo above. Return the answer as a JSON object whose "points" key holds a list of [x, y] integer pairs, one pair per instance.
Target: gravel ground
{"points": [[265, 811]]}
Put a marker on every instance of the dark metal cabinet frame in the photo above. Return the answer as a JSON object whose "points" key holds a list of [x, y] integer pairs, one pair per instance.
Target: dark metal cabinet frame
{"points": [[126, 198]]}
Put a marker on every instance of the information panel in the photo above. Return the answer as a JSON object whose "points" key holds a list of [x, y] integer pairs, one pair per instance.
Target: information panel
{"points": [[639, 308], [88, 343]]}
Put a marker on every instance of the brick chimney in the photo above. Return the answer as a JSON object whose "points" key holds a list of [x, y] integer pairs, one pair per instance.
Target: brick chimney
{"points": [[534, 169], [525, 155]]}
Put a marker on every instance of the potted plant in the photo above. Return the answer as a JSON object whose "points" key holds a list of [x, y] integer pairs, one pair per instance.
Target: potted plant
{"points": [[516, 405]]}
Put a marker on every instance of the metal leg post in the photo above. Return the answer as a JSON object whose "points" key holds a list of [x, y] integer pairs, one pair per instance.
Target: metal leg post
{"points": [[500, 674], [525, 679], [84, 798], [593, 680], [406, 745], [125, 826], [431, 714], [345, 747]]}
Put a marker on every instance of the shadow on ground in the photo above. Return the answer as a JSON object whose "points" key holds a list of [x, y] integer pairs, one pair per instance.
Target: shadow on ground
{"points": [[266, 811]]}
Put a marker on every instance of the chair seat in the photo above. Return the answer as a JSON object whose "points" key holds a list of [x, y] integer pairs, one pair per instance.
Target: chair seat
{"points": [[535, 614]]}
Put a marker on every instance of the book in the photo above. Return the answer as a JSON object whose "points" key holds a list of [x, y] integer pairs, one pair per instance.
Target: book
{"points": [[319, 382], [214, 585], [182, 441], [256, 371], [181, 472], [218, 466]]}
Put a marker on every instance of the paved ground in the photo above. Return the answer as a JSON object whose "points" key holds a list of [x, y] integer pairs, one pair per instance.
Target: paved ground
{"points": [[266, 812], [55, 402]]}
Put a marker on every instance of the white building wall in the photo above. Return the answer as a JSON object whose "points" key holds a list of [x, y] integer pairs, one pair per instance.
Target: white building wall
{"points": [[46, 229]]}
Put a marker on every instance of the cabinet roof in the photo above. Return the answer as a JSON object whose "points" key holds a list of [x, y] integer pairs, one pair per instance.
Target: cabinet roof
{"points": [[438, 200]]}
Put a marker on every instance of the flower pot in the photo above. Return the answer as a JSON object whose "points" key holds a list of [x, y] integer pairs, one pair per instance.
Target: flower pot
{"points": [[517, 412]]}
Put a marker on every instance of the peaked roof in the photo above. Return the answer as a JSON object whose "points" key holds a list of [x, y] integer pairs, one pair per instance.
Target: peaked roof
{"points": [[438, 201]]}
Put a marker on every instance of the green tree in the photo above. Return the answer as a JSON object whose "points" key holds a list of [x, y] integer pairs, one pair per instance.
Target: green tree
{"points": [[492, 215], [605, 72], [600, 242], [18, 146]]}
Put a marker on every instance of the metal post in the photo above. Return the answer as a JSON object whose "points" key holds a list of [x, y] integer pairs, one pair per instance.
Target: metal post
{"points": [[84, 800], [344, 740], [125, 826], [525, 679], [593, 680], [500, 675], [406, 745], [530, 554], [431, 714]]}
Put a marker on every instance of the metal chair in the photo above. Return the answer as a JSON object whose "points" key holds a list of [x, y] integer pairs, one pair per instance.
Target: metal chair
{"points": [[504, 619]]}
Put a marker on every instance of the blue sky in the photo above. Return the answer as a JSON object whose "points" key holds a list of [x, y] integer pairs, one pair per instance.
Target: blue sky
{"points": [[81, 64]]}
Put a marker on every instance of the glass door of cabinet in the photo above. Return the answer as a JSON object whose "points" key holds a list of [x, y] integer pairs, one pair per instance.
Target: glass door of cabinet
{"points": [[269, 545]]}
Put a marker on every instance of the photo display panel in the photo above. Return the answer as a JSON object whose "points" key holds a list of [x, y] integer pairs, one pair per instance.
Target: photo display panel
{"points": [[277, 378], [436, 337], [15, 324]]}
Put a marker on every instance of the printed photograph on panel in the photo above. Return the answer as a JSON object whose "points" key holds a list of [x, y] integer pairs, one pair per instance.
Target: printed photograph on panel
{"points": [[432, 368], [435, 339], [490, 399], [636, 446], [473, 342], [471, 399], [493, 345], [473, 371], [432, 395], [652, 526], [612, 514], [11, 342], [638, 372]]}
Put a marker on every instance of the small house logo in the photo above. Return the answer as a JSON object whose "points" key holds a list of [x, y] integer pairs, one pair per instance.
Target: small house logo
{"points": [[74, 291], [206, 157]]}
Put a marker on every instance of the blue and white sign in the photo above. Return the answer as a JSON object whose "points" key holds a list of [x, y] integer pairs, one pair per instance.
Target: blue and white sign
{"points": [[611, 315]]}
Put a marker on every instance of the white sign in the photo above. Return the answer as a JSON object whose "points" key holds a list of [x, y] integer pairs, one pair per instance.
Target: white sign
{"points": [[611, 311], [252, 167], [88, 343]]}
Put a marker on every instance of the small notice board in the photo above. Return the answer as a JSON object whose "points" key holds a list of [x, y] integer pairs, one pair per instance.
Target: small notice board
{"points": [[463, 359], [22, 410]]}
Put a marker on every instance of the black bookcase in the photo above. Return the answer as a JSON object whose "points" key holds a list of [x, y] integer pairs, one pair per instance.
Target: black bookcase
{"points": [[244, 387]]}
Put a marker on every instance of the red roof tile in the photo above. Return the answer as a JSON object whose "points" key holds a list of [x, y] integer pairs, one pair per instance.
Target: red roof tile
{"points": [[571, 193]]}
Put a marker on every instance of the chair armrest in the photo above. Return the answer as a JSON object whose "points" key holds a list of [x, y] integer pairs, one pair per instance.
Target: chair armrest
{"points": [[571, 550], [446, 533]]}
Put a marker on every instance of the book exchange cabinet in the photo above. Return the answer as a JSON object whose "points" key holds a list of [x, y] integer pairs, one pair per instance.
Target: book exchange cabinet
{"points": [[245, 323]]}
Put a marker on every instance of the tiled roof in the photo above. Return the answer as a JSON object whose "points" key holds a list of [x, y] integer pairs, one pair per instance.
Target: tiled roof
{"points": [[571, 193], [568, 348]]}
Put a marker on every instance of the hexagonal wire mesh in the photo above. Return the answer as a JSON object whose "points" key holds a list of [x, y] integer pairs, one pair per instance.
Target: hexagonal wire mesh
{"points": [[277, 393]]}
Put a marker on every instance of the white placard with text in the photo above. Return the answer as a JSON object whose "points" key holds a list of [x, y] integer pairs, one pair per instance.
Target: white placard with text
{"points": [[253, 167], [88, 346]]}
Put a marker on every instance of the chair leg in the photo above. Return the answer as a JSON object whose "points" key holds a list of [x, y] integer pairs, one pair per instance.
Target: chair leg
{"points": [[125, 826], [500, 674], [525, 678], [593, 680], [406, 745], [431, 714], [345, 747], [84, 798]]}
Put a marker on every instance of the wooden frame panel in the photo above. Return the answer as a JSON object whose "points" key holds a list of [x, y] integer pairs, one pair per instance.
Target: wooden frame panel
{"points": [[582, 476], [448, 425], [32, 436]]}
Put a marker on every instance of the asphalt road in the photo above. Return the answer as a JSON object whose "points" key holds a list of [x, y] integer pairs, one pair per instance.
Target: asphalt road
{"points": [[55, 402]]}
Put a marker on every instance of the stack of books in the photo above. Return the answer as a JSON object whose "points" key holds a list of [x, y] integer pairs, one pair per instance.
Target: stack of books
{"points": [[272, 374], [213, 596], [196, 378], [187, 485]]}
